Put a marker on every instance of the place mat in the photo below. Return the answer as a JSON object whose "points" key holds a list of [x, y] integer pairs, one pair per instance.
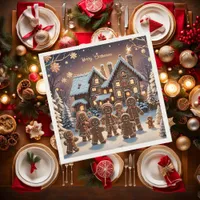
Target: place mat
{"points": [[139, 161], [48, 151]]}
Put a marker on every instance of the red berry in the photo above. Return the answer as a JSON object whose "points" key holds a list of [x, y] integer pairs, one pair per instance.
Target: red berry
{"points": [[197, 17]]}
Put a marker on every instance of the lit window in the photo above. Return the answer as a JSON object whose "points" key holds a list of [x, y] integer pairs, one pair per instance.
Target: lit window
{"points": [[117, 83], [112, 98], [96, 80], [82, 107], [123, 74], [95, 103], [100, 103], [105, 91], [128, 94], [119, 93], [110, 90], [94, 89], [135, 90], [132, 81]]}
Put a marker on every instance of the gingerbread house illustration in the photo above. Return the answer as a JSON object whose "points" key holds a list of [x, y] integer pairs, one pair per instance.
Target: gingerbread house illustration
{"points": [[93, 89]]}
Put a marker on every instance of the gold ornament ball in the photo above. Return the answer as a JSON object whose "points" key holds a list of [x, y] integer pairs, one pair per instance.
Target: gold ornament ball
{"points": [[183, 143], [19, 75], [180, 71], [196, 103], [188, 59], [156, 51], [21, 50], [166, 53], [193, 124]]}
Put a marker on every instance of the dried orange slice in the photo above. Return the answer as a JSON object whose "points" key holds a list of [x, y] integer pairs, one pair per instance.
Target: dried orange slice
{"points": [[94, 5]]}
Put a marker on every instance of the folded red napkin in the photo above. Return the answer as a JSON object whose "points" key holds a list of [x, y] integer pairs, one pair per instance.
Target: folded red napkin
{"points": [[20, 187], [21, 6], [169, 5], [172, 178], [97, 15], [46, 121], [94, 166], [84, 38]]}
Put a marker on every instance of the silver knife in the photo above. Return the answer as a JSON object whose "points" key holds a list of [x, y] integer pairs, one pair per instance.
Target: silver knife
{"points": [[63, 14], [134, 183], [125, 19], [130, 164]]}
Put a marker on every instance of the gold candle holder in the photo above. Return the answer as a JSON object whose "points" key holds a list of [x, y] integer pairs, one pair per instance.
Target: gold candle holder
{"points": [[187, 82]]}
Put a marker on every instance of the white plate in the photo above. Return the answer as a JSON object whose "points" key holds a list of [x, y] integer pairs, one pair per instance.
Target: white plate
{"points": [[156, 12], [46, 17], [44, 172], [117, 167], [107, 32], [150, 170]]}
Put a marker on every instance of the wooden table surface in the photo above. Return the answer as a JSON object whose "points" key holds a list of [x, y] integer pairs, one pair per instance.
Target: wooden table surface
{"points": [[78, 191]]}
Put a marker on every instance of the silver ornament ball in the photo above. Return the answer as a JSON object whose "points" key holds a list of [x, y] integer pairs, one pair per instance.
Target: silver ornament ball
{"points": [[193, 124]]}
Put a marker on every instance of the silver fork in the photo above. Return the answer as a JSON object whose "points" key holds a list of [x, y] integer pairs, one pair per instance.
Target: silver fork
{"points": [[72, 179], [66, 173], [63, 175], [125, 169]]}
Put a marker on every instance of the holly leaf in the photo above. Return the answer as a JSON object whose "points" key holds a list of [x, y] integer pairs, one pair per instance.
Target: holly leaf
{"points": [[36, 159], [28, 157]]}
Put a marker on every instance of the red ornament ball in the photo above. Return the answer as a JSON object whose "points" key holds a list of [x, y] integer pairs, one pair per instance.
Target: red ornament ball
{"points": [[33, 77], [109, 24], [66, 41]]}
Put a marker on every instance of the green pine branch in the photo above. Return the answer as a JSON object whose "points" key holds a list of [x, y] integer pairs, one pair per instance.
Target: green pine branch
{"points": [[5, 38]]}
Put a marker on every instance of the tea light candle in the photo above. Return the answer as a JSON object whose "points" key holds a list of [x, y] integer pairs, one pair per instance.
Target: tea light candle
{"points": [[163, 77], [187, 82], [172, 88], [40, 87], [33, 68], [5, 99]]}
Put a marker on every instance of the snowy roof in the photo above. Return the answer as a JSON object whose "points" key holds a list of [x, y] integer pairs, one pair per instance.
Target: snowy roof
{"points": [[80, 84], [121, 60], [103, 97], [79, 101]]}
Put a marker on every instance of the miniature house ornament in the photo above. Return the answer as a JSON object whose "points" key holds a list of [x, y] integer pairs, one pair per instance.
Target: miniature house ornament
{"points": [[35, 130]]}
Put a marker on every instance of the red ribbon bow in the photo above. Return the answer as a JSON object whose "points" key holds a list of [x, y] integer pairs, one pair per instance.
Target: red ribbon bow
{"points": [[35, 30]]}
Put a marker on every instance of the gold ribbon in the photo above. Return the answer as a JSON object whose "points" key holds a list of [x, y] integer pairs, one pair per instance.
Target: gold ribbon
{"points": [[167, 169]]}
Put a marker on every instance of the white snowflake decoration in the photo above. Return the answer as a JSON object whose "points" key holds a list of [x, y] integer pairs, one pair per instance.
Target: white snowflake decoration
{"points": [[55, 67], [73, 55], [69, 74], [35, 130], [64, 80], [47, 58]]}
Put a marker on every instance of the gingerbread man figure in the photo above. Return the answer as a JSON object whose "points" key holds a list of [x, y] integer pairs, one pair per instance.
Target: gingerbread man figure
{"points": [[70, 142], [128, 127], [150, 122], [96, 131], [82, 124], [119, 111], [134, 112], [109, 120]]}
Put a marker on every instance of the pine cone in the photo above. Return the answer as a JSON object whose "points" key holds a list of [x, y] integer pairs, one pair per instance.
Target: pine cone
{"points": [[25, 84], [15, 135], [3, 143], [28, 94], [12, 141]]}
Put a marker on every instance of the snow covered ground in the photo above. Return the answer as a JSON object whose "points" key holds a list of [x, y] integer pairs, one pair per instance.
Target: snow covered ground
{"points": [[147, 135]]}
